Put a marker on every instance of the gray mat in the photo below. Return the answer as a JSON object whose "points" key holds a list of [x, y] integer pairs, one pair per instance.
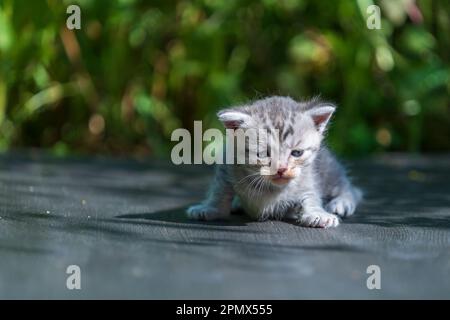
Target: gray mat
{"points": [[122, 223]]}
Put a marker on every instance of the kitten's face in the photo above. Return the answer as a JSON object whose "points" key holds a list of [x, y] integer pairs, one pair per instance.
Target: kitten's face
{"points": [[294, 134]]}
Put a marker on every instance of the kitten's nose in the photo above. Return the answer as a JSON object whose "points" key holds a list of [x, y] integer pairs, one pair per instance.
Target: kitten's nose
{"points": [[281, 170]]}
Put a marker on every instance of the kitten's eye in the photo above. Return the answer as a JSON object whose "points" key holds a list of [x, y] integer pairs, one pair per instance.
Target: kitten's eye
{"points": [[297, 153]]}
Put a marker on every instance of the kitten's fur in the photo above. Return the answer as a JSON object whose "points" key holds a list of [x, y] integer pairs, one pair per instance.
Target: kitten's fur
{"points": [[307, 182]]}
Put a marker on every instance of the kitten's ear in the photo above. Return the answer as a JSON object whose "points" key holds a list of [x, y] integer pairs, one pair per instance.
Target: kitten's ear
{"points": [[233, 119], [321, 115]]}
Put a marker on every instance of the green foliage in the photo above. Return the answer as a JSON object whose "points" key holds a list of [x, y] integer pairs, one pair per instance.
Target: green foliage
{"points": [[138, 69]]}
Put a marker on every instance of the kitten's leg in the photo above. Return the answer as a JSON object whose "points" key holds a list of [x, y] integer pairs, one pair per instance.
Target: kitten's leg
{"points": [[217, 205], [344, 197], [344, 204], [313, 214], [336, 187]]}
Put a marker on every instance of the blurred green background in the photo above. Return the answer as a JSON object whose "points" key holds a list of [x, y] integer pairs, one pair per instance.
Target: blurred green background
{"points": [[138, 69]]}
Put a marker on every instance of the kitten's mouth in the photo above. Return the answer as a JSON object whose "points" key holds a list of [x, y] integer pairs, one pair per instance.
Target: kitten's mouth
{"points": [[280, 180]]}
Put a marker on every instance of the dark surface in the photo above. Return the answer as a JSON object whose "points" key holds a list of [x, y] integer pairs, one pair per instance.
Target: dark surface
{"points": [[122, 222]]}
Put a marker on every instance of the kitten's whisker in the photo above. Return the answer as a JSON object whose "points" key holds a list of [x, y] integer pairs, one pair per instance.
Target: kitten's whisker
{"points": [[247, 185], [252, 184], [246, 177], [265, 185], [259, 186], [254, 177]]}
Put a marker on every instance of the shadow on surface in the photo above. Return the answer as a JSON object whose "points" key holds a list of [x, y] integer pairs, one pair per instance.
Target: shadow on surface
{"points": [[178, 216]]}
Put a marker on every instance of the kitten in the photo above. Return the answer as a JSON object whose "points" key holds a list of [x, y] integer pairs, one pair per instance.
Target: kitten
{"points": [[306, 176]]}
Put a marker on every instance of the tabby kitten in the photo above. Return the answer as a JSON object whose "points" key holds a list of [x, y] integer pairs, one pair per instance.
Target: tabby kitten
{"points": [[306, 176]]}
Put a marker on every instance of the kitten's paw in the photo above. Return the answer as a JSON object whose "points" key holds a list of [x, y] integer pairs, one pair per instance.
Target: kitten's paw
{"points": [[342, 206], [318, 219], [205, 212]]}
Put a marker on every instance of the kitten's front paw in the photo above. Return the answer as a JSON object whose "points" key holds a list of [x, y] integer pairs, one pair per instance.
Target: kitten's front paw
{"points": [[318, 219], [342, 206], [205, 212]]}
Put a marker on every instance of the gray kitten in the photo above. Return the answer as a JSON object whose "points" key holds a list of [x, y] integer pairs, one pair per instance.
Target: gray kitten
{"points": [[306, 176]]}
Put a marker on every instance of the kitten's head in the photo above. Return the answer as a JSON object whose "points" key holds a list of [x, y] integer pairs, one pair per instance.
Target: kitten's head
{"points": [[294, 134]]}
